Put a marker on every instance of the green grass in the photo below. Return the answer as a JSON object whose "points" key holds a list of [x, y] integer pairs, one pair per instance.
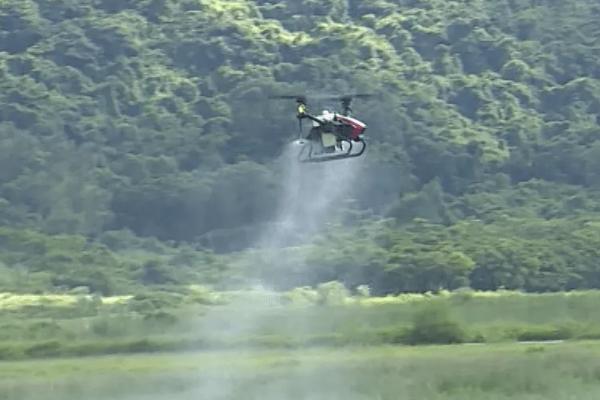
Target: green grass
{"points": [[257, 347], [504, 371], [261, 320]]}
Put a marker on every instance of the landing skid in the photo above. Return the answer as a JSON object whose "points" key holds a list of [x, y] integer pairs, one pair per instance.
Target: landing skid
{"points": [[306, 154]]}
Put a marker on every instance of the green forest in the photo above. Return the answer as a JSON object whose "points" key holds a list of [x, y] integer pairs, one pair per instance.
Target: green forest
{"points": [[139, 149]]}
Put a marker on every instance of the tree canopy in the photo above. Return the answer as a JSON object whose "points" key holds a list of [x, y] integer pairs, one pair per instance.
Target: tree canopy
{"points": [[148, 121]]}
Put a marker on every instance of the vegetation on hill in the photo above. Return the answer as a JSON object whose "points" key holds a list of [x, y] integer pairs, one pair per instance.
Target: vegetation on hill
{"points": [[136, 141]]}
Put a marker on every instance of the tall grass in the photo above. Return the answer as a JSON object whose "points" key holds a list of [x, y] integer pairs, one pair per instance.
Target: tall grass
{"points": [[264, 320], [515, 372]]}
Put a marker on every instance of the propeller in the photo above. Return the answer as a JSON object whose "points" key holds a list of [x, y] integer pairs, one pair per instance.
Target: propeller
{"points": [[345, 99], [340, 97], [298, 98]]}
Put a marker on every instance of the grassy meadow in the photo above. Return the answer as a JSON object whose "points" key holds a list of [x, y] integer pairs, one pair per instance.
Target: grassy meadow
{"points": [[67, 326], [306, 344], [498, 371]]}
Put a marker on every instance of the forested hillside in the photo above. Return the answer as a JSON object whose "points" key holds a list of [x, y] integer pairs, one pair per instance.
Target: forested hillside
{"points": [[136, 140]]}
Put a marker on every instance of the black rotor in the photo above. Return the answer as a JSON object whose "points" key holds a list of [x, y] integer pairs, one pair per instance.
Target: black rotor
{"points": [[345, 99]]}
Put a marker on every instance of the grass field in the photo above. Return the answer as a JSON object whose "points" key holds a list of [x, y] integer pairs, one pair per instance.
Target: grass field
{"points": [[299, 345], [50, 326], [458, 372]]}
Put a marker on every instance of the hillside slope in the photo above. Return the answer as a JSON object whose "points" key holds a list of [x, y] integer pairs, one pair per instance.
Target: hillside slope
{"points": [[151, 116]]}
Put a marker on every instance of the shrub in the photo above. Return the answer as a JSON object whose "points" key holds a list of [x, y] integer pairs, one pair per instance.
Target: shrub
{"points": [[541, 333], [302, 296], [152, 301], [161, 319], [392, 335], [51, 348], [332, 293], [433, 325]]}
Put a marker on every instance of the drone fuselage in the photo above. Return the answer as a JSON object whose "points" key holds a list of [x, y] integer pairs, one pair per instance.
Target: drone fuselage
{"points": [[332, 135], [357, 127], [342, 126]]}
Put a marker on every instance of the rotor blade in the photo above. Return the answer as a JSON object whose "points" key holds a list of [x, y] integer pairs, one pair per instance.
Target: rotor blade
{"points": [[288, 96], [283, 96], [337, 97], [340, 97]]}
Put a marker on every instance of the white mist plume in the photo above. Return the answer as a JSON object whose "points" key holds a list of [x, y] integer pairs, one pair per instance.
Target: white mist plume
{"points": [[312, 193], [311, 196]]}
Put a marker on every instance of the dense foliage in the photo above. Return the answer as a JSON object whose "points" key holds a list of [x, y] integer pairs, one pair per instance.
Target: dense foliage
{"points": [[128, 119]]}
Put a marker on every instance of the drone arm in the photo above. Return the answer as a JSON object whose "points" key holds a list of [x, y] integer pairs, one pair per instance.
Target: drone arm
{"points": [[311, 117]]}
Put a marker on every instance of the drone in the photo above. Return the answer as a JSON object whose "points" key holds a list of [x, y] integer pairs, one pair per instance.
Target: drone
{"points": [[333, 136]]}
